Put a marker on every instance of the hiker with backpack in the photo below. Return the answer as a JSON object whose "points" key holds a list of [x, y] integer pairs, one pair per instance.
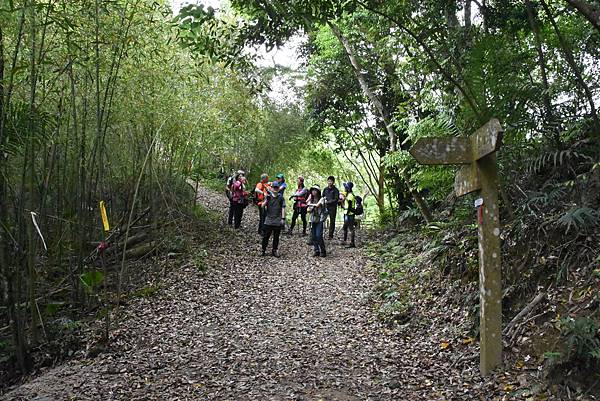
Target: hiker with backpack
{"points": [[239, 198], [274, 210], [300, 204], [260, 193], [282, 185], [318, 214], [332, 196], [229, 194], [352, 207]]}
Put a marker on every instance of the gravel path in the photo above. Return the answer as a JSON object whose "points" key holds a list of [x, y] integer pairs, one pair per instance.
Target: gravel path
{"points": [[249, 328]]}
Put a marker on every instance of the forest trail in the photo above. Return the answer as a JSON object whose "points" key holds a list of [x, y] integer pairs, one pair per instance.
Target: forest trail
{"points": [[258, 328]]}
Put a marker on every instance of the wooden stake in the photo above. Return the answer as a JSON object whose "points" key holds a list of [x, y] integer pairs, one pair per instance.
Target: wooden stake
{"points": [[490, 283]]}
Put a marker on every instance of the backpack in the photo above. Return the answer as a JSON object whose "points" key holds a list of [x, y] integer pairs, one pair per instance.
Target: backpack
{"points": [[324, 213], [228, 185], [358, 210]]}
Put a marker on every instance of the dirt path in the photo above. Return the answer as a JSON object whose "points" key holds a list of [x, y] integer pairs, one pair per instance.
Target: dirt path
{"points": [[253, 328]]}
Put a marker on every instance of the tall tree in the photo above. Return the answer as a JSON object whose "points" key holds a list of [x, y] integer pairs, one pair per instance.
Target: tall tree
{"points": [[383, 114]]}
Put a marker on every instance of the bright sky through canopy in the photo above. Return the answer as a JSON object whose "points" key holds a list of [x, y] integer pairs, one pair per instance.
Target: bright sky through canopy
{"points": [[285, 56]]}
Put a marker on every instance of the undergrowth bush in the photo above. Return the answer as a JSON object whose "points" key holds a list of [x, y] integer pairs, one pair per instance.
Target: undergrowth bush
{"points": [[581, 338]]}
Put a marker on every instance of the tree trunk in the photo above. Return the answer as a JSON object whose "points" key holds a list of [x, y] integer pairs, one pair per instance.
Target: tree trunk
{"points": [[3, 236], [375, 101], [467, 14], [383, 114], [566, 49], [31, 248], [590, 11], [484, 16], [450, 14], [381, 189], [542, 64]]}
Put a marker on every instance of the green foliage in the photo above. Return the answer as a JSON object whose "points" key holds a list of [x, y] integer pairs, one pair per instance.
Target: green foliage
{"points": [[412, 213], [435, 85], [91, 280], [435, 228], [200, 260], [581, 219], [439, 126], [206, 215], [556, 159], [71, 325], [272, 23], [581, 338], [553, 356], [395, 309], [549, 195], [18, 134], [146, 292], [215, 183], [53, 307], [436, 180]]}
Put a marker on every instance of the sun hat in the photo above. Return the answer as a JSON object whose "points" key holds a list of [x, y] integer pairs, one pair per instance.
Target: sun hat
{"points": [[280, 175]]}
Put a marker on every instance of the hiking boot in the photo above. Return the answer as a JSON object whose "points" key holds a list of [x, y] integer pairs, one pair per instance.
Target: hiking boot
{"points": [[276, 253], [263, 253], [350, 246], [323, 254], [316, 254], [304, 234]]}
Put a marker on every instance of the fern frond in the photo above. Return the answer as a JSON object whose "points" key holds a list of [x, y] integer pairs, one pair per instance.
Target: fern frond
{"points": [[440, 125], [549, 195], [556, 159], [579, 218]]}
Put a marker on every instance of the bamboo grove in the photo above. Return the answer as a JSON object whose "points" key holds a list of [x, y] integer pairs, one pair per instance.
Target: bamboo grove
{"points": [[99, 103]]}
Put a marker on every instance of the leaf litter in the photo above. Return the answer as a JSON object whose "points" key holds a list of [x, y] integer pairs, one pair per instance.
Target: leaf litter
{"points": [[262, 328]]}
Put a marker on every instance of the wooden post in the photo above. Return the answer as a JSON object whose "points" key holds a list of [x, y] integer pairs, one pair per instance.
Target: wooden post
{"points": [[477, 155], [490, 282]]}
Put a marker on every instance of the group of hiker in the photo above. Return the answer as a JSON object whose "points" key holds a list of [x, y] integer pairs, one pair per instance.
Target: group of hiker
{"points": [[319, 205]]}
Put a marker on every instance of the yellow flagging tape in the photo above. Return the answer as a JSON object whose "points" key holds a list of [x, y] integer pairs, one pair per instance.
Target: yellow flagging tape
{"points": [[104, 216]]}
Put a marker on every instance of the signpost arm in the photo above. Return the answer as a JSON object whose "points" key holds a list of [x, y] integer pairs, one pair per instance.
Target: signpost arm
{"points": [[490, 278]]}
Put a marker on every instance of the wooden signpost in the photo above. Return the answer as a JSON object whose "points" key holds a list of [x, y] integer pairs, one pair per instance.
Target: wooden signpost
{"points": [[477, 155]]}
